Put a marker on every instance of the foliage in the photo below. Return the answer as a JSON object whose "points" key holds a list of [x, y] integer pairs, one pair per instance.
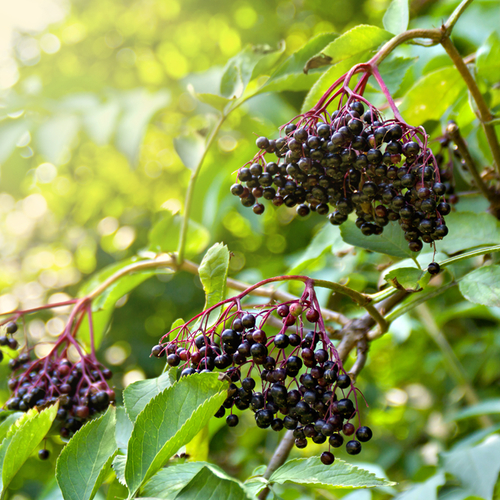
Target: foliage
{"points": [[119, 143]]}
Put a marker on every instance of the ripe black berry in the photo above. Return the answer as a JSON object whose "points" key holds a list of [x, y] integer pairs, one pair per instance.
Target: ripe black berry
{"points": [[11, 327], [433, 268], [353, 447], [364, 434], [43, 454], [232, 420], [327, 458]]}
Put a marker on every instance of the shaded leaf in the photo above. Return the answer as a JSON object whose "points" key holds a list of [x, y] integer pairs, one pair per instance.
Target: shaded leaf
{"points": [[137, 395], [397, 16], [190, 149], [139, 107], [482, 286], [213, 273], [477, 468], [431, 96], [393, 70], [356, 42], [487, 407], [408, 278], [390, 242], [124, 427], [180, 480], [164, 235], [468, 230], [84, 462], [22, 440], [312, 471], [169, 421], [427, 489], [488, 59]]}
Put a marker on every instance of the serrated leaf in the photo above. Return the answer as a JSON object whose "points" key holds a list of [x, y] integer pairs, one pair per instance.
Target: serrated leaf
{"points": [[84, 462], [213, 273], [393, 70], [431, 96], [356, 42], [208, 486], [397, 16], [410, 279], [123, 429], [427, 489], [190, 149], [488, 59], [476, 468], [291, 74], [390, 242], [137, 395], [482, 286], [487, 407], [468, 230], [119, 463], [164, 235], [170, 483], [21, 441], [169, 421], [7, 423], [312, 471]]}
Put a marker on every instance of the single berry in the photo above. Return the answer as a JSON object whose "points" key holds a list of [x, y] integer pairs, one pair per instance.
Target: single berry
{"points": [[433, 268], [364, 434], [232, 420], [327, 458], [11, 327], [353, 447], [43, 454]]}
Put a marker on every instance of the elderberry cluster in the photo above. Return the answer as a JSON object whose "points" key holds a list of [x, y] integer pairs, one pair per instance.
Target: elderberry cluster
{"points": [[351, 161], [81, 387], [293, 379]]}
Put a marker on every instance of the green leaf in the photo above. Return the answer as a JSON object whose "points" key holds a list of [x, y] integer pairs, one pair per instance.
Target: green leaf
{"points": [[7, 423], [410, 279], [356, 42], [197, 449], [84, 462], [214, 100], [313, 472], [488, 59], [208, 486], [390, 242], [10, 133], [393, 70], [482, 286], [137, 395], [487, 407], [123, 428], [327, 78], [22, 440], [139, 107], [213, 273], [243, 67], [164, 235], [169, 421], [468, 230], [477, 468], [190, 149], [194, 478], [290, 74], [119, 463], [320, 244], [427, 489], [397, 16], [55, 137], [431, 96]]}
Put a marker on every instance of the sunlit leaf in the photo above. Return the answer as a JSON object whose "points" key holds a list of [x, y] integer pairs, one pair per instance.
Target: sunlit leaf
{"points": [[190, 149], [488, 59], [427, 489], [487, 407], [54, 138], [170, 420], [213, 273], [408, 278]]}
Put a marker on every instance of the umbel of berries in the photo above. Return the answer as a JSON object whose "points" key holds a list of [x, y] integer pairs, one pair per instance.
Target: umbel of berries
{"points": [[290, 377], [352, 160]]}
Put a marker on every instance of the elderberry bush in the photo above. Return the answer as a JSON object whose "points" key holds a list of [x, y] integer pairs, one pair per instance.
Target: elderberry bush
{"points": [[351, 161], [293, 379], [81, 387]]}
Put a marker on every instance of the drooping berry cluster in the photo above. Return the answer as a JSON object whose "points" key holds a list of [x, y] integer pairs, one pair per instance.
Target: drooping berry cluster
{"points": [[79, 385], [293, 379], [351, 161], [81, 388]]}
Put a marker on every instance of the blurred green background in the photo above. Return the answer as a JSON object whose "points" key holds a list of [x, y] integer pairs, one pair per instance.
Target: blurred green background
{"points": [[93, 93]]}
